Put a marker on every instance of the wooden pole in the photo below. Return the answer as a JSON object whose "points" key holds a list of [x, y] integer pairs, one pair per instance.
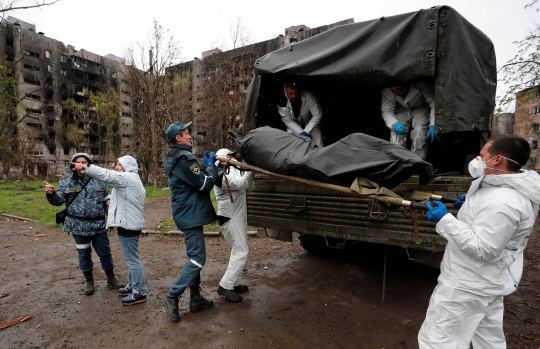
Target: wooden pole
{"points": [[333, 187]]}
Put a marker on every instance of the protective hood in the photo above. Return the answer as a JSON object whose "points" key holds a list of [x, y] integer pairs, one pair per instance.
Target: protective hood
{"points": [[526, 182], [129, 164], [76, 155]]}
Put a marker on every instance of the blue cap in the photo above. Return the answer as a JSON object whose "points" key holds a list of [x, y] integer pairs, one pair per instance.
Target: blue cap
{"points": [[173, 130]]}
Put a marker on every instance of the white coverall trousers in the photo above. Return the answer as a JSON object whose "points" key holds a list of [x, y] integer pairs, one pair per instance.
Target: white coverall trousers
{"points": [[235, 232], [420, 125], [456, 318]]}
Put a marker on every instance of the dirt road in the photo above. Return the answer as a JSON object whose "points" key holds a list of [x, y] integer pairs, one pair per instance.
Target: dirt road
{"points": [[296, 300]]}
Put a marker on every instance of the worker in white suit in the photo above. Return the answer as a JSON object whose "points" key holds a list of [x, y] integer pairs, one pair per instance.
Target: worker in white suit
{"points": [[410, 108], [232, 216], [483, 259], [302, 114]]}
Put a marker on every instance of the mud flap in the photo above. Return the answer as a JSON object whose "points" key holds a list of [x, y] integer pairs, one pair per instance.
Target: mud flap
{"points": [[282, 235]]}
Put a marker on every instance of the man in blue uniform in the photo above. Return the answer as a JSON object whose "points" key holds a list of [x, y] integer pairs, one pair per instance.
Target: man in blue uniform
{"points": [[190, 184]]}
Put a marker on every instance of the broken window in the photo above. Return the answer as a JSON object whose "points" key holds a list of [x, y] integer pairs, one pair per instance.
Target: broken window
{"points": [[9, 42], [31, 80], [66, 152], [103, 71], [49, 68], [63, 71], [536, 110], [34, 125], [31, 53], [63, 59], [31, 67], [50, 123], [33, 96], [48, 54], [534, 144], [33, 111]]}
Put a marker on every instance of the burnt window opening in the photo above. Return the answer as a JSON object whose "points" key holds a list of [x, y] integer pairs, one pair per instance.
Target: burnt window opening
{"points": [[201, 133], [33, 96], [126, 103], [126, 92], [80, 125], [536, 110], [66, 152], [31, 53], [63, 59], [34, 125], [9, 42], [50, 123], [127, 136], [63, 71], [33, 111], [103, 71], [31, 81], [31, 67], [9, 58], [126, 114], [535, 127], [534, 144]]}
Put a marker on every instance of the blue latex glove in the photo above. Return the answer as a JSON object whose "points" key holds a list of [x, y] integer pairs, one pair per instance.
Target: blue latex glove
{"points": [[305, 134], [431, 135], [461, 201], [400, 129], [209, 158], [435, 214]]}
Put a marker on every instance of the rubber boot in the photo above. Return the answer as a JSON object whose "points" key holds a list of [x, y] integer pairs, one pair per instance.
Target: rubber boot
{"points": [[197, 301], [112, 282], [89, 289], [170, 302]]}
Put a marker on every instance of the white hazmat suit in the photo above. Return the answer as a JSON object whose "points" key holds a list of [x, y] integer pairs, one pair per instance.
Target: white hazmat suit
{"points": [[308, 121], [416, 110], [235, 229], [483, 262]]}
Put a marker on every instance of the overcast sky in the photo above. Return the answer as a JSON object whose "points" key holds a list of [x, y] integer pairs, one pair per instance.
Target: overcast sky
{"points": [[109, 26]]}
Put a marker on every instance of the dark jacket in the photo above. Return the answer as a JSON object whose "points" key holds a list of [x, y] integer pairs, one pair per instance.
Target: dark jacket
{"points": [[86, 214], [190, 187]]}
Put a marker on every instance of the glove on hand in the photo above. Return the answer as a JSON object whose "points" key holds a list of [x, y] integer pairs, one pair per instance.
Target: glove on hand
{"points": [[305, 134], [461, 201], [431, 135], [400, 129], [209, 158], [436, 213]]}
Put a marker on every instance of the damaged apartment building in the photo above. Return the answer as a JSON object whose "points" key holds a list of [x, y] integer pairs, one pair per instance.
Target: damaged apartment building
{"points": [[219, 80], [49, 73]]}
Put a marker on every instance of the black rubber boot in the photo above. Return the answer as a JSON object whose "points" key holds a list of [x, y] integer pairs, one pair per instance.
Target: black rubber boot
{"points": [[170, 302], [113, 282], [89, 289], [197, 301]]}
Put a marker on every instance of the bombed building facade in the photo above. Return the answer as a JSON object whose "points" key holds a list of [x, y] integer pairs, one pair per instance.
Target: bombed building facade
{"points": [[48, 73]]}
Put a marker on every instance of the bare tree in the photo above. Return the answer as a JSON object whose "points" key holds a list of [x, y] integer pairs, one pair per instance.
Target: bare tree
{"points": [[14, 5], [228, 75], [159, 97]]}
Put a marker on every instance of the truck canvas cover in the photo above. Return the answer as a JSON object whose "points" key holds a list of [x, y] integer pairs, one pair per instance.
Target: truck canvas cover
{"points": [[436, 45]]}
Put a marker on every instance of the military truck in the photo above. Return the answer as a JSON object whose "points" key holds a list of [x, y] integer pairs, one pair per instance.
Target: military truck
{"points": [[346, 68]]}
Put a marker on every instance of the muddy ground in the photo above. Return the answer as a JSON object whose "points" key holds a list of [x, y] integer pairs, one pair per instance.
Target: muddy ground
{"points": [[298, 301]]}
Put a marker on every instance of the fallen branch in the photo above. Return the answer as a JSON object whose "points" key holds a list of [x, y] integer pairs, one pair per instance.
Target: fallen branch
{"points": [[15, 322], [16, 217]]}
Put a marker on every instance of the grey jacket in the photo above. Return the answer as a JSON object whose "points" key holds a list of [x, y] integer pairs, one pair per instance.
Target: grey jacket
{"points": [[126, 208]]}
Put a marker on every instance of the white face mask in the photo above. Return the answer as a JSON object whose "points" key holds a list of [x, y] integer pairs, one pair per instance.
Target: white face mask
{"points": [[477, 166]]}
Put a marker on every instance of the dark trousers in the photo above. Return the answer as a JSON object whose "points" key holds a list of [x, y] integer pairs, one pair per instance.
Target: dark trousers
{"points": [[196, 251], [101, 245]]}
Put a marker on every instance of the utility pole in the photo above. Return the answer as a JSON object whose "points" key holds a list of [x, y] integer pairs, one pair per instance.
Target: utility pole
{"points": [[151, 110]]}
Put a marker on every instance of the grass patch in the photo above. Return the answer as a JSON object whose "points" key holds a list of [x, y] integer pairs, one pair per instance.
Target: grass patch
{"points": [[27, 199]]}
